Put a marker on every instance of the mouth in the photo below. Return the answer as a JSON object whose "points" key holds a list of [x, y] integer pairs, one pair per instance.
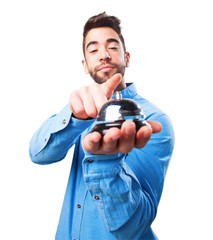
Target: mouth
{"points": [[105, 68]]}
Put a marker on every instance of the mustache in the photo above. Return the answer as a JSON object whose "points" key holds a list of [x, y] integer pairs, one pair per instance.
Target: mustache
{"points": [[105, 63]]}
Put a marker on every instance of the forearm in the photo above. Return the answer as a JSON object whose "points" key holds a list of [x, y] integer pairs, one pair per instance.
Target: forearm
{"points": [[118, 195], [56, 136]]}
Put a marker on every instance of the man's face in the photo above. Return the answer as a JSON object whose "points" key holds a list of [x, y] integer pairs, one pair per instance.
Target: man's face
{"points": [[104, 54]]}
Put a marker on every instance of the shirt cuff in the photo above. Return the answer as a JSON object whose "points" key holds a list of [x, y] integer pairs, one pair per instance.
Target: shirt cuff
{"points": [[97, 167], [57, 123]]}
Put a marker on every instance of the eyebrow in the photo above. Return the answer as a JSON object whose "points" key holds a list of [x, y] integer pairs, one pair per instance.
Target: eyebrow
{"points": [[91, 43], [112, 40], [108, 41]]}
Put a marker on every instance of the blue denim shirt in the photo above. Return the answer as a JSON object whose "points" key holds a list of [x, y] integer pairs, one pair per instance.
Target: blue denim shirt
{"points": [[107, 196]]}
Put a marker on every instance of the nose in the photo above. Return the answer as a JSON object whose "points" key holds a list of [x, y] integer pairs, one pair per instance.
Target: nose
{"points": [[104, 55]]}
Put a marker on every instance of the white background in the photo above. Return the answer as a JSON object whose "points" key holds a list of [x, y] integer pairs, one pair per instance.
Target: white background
{"points": [[171, 47]]}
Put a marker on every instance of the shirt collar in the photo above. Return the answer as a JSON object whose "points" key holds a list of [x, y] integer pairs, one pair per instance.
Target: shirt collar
{"points": [[128, 92]]}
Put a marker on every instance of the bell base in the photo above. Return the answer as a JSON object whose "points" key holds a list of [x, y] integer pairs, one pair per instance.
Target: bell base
{"points": [[103, 127]]}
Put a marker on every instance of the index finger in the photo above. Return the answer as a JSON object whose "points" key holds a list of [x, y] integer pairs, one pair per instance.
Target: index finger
{"points": [[156, 126], [110, 85]]}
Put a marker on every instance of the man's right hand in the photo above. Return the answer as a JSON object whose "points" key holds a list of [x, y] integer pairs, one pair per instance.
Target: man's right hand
{"points": [[88, 100]]}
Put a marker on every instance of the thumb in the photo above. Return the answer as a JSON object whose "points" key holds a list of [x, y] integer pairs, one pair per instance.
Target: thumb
{"points": [[111, 84]]}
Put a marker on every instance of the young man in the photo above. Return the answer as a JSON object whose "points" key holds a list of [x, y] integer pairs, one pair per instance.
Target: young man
{"points": [[116, 180]]}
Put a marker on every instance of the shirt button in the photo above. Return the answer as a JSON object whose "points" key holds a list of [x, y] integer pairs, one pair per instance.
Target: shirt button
{"points": [[79, 206], [64, 121], [97, 197], [45, 140], [90, 161]]}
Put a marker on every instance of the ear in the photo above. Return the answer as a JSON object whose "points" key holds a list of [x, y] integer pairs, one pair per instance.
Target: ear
{"points": [[85, 66], [127, 58]]}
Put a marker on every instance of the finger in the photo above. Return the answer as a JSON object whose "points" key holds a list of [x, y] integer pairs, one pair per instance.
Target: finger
{"points": [[156, 126], [142, 137], [110, 85], [76, 105], [98, 96], [127, 139], [91, 142], [110, 141], [88, 102]]}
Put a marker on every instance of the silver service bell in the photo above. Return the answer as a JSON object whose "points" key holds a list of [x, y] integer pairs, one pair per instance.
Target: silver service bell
{"points": [[114, 112]]}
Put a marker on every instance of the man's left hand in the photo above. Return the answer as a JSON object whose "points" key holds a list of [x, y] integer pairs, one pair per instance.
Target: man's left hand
{"points": [[120, 140]]}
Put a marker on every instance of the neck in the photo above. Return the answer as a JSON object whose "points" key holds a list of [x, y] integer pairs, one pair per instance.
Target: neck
{"points": [[121, 86]]}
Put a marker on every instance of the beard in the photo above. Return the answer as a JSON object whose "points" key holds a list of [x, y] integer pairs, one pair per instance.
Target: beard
{"points": [[106, 75]]}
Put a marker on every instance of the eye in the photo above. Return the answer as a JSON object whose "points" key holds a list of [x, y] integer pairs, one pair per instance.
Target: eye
{"points": [[113, 48], [93, 51]]}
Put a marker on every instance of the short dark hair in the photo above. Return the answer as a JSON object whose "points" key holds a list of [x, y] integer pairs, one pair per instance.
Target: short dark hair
{"points": [[103, 20]]}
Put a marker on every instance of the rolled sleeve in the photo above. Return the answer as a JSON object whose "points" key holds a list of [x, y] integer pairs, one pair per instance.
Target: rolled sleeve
{"points": [[56, 136], [52, 125]]}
